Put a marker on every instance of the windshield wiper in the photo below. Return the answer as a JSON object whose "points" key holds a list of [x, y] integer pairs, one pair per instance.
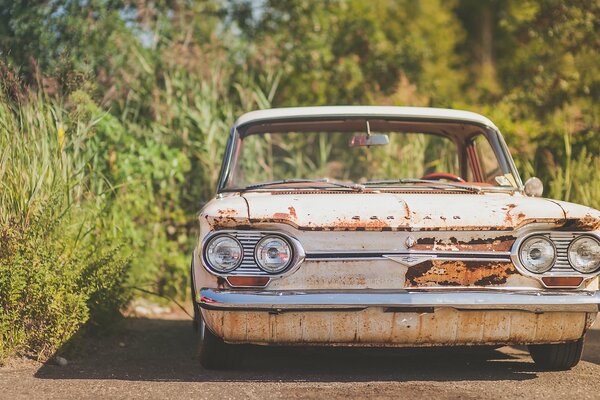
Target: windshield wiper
{"points": [[353, 186], [431, 183]]}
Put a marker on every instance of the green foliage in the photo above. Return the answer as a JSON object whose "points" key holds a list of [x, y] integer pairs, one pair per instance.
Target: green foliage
{"points": [[347, 52], [574, 176], [60, 264]]}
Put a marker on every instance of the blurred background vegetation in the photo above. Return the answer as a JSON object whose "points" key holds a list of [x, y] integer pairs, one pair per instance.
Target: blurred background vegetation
{"points": [[114, 114]]}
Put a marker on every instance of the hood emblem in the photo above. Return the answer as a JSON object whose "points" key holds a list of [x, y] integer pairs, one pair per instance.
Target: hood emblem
{"points": [[410, 242], [410, 260]]}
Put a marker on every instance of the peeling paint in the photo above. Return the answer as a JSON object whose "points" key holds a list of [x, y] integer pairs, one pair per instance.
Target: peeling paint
{"points": [[293, 214], [458, 273], [501, 243], [587, 223]]}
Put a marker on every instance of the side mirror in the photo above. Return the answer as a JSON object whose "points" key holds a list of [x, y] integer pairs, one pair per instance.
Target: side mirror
{"points": [[534, 187]]}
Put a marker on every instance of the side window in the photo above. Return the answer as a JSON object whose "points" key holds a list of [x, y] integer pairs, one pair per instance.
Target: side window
{"points": [[483, 161]]}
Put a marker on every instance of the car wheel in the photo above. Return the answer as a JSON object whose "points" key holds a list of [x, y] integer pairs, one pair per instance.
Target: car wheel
{"points": [[213, 352], [197, 317], [558, 357]]}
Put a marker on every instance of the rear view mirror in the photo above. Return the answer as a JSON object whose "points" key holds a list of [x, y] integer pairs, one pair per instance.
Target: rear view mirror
{"points": [[369, 140]]}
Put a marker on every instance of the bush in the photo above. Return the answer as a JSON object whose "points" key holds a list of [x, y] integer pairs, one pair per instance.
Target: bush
{"points": [[50, 286], [60, 261]]}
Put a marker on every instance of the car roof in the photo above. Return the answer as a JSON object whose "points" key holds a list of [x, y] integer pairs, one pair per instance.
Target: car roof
{"points": [[426, 113]]}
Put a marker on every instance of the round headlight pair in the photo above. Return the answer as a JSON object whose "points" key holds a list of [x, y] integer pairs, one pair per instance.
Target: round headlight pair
{"points": [[273, 254], [538, 254]]}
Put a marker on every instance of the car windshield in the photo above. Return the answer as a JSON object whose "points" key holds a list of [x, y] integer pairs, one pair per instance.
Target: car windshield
{"points": [[367, 152]]}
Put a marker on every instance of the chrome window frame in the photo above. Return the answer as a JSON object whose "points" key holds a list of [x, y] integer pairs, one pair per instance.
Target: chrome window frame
{"points": [[498, 143]]}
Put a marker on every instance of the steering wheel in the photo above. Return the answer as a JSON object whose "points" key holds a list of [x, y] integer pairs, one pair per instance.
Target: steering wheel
{"points": [[443, 175]]}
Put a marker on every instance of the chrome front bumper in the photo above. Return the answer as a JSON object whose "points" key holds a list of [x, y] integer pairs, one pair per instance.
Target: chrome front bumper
{"points": [[518, 300]]}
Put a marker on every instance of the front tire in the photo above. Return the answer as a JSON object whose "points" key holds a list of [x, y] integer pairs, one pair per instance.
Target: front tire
{"points": [[557, 357], [213, 352]]}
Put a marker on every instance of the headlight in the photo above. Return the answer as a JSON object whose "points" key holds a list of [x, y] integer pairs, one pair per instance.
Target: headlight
{"points": [[224, 253], [537, 254], [584, 254], [273, 254]]}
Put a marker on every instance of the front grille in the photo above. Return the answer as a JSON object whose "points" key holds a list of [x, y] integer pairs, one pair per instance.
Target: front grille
{"points": [[248, 265], [561, 241]]}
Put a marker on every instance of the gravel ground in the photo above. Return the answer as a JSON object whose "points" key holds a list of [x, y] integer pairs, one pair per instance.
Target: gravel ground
{"points": [[155, 358]]}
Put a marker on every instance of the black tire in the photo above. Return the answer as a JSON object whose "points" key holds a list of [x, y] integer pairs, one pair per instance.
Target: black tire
{"points": [[197, 316], [557, 357], [214, 353]]}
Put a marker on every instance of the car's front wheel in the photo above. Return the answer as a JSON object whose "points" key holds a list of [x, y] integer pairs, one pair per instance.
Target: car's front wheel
{"points": [[558, 357], [213, 352]]}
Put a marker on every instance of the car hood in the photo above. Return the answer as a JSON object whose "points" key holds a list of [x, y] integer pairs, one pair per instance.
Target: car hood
{"points": [[404, 211]]}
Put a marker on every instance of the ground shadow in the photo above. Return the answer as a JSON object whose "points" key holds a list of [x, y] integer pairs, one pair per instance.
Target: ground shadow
{"points": [[164, 350], [591, 349]]}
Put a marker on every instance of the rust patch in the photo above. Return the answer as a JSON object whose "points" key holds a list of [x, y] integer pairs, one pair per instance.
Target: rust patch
{"points": [[459, 273], [292, 211], [508, 217], [358, 224], [225, 222], [406, 209], [225, 218], [227, 212], [221, 282], [587, 223], [500, 243], [281, 216], [373, 224]]}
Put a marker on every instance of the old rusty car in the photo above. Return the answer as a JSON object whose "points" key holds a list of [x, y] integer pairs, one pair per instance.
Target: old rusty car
{"points": [[388, 227]]}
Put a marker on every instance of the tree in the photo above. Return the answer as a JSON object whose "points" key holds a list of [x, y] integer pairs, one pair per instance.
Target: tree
{"points": [[336, 52]]}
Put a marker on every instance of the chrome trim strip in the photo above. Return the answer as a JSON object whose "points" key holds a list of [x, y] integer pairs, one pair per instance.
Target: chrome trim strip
{"points": [[422, 256], [524, 300]]}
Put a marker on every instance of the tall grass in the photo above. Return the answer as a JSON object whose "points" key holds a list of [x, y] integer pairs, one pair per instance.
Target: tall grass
{"points": [[59, 268], [576, 177]]}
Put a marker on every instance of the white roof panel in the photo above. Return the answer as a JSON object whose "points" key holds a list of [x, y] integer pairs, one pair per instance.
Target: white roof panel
{"points": [[366, 111]]}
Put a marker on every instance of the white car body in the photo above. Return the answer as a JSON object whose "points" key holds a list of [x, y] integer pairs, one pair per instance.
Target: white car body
{"points": [[394, 268]]}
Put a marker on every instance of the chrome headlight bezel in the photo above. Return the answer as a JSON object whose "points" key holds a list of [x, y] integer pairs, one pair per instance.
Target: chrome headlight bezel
{"points": [[539, 238], [571, 257], [211, 263], [261, 263]]}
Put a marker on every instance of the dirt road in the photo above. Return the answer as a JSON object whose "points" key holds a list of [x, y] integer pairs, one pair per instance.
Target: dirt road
{"points": [[154, 358]]}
